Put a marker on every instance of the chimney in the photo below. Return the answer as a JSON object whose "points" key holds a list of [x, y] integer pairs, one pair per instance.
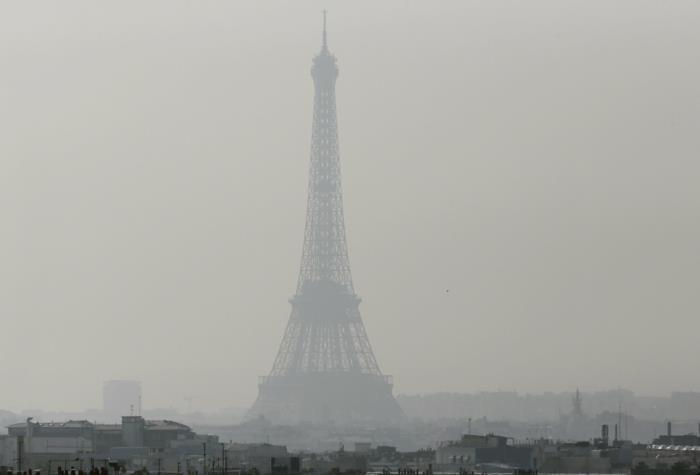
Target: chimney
{"points": [[668, 429]]}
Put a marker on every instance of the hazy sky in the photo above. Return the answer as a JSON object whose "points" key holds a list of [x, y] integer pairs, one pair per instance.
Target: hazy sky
{"points": [[538, 159]]}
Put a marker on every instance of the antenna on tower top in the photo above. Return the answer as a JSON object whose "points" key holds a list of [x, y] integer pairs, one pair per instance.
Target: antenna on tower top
{"points": [[325, 43]]}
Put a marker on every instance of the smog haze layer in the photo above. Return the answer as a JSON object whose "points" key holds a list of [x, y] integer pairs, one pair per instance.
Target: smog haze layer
{"points": [[520, 184]]}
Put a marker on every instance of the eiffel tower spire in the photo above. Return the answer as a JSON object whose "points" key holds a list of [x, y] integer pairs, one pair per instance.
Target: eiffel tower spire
{"points": [[325, 331], [325, 347], [325, 254]]}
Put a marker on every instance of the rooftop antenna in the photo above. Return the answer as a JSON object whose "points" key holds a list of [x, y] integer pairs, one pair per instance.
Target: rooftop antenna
{"points": [[325, 42]]}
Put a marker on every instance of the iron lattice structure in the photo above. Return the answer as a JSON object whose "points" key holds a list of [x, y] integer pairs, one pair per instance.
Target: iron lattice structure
{"points": [[325, 332], [325, 369]]}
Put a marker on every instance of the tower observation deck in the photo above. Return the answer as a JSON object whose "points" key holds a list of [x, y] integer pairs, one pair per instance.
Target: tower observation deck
{"points": [[325, 369]]}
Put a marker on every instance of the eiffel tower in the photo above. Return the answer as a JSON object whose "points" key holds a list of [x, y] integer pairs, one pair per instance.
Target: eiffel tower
{"points": [[325, 369]]}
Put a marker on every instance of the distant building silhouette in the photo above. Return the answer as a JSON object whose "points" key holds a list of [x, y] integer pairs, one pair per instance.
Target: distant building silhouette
{"points": [[325, 369], [577, 403]]}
